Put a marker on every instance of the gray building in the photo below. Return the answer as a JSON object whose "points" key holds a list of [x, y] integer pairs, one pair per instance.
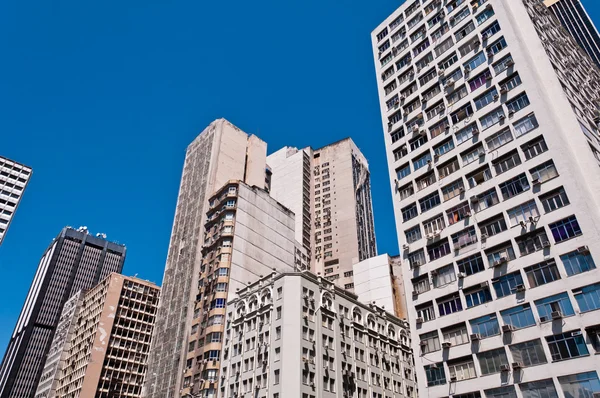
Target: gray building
{"points": [[491, 131], [297, 335], [13, 181], [575, 19], [75, 260]]}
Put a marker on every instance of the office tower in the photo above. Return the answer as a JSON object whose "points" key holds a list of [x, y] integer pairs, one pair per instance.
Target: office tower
{"points": [[247, 235], [379, 280], [220, 153], [296, 335], [59, 349], [105, 354], [74, 261], [492, 145], [13, 181], [577, 22], [339, 192]]}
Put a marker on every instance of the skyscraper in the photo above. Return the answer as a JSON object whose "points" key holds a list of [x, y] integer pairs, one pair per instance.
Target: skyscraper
{"points": [[13, 181], [222, 152], [574, 18], [492, 142], [334, 184], [74, 261]]}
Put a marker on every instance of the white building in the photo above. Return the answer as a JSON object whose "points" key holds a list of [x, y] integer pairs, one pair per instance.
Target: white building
{"points": [[492, 144], [13, 181], [296, 335]]}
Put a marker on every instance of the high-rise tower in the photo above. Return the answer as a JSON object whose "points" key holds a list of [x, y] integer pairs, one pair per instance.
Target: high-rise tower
{"points": [[222, 152], [74, 261], [13, 181], [491, 131]]}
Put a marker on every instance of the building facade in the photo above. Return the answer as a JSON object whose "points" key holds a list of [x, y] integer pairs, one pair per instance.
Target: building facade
{"points": [[106, 354], [220, 153], [13, 181], [247, 235], [297, 335], [575, 19], [491, 135], [338, 192], [75, 260]]}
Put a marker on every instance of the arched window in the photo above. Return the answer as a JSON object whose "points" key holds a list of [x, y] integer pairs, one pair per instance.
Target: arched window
{"points": [[357, 315]]}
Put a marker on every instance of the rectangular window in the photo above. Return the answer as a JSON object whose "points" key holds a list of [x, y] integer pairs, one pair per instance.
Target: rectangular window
{"points": [[421, 284], [507, 162], [409, 212], [463, 32], [437, 129], [471, 265], [461, 114], [458, 213], [453, 189], [438, 250], [492, 226], [578, 262], [544, 172], [519, 317], [425, 181], [474, 62], [510, 83], [565, 229], [464, 238], [434, 225], [466, 133], [501, 392], [480, 80], [523, 213], [485, 200], [443, 276], [529, 353], [444, 46], [417, 142], [485, 326], [435, 374], [525, 125], [456, 335], [413, 234], [486, 98], [492, 118], [472, 154], [477, 295], [448, 168], [430, 342], [496, 47], [448, 62], [456, 95], [542, 273], [425, 312], [444, 147], [498, 139], [449, 305], [485, 15], [516, 104], [567, 345], [462, 369], [558, 304], [422, 161], [504, 63], [507, 284], [403, 171], [417, 258], [492, 361], [588, 297], [554, 200], [406, 191], [429, 202], [514, 186], [581, 385]]}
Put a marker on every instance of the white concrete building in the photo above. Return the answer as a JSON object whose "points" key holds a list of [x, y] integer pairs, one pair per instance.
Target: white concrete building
{"points": [[379, 280], [296, 335], [13, 181], [492, 143]]}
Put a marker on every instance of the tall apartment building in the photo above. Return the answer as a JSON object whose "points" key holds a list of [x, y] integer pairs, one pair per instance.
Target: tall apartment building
{"points": [[13, 181], [575, 19], [105, 354], [492, 143], [247, 235], [338, 189], [296, 335], [75, 260], [220, 153]]}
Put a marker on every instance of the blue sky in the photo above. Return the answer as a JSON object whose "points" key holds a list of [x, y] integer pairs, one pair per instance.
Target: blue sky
{"points": [[101, 99]]}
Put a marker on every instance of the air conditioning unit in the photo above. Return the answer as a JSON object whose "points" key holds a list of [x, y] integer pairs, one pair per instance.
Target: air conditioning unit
{"points": [[446, 344], [517, 365], [405, 246], [441, 72], [546, 244], [556, 315], [505, 368], [429, 236], [475, 337], [520, 288], [474, 199], [496, 97], [503, 90], [507, 328], [501, 117], [416, 264], [583, 250], [415, 293], [536, 181], [510, 63], [452, 379], [462, 275], [419, 320], [449, 82], [423, 343], [415, 128]]}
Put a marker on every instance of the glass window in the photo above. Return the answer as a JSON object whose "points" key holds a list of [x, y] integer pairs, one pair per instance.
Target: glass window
{"points": [[501, 392], [516, 104], [486, 98], [588, 297], [506, 162], [503, 64], [567, 345], [443, 276], [498, 139], [492, 118], [532, 242], [477, 296], [514, 186], [434, 225], [578, 262], [507, 284], [417, 258], [523, 213], [544, 172], [485, 200], [565, 229], [449, 304], [425, 181], [425, 312], [444, 147], [491, 361], [456, 335], [485, 15], [466, 133], [496, 47], [413, 234], [458, 213], [534, 148], [581, 385], [519, 317], [542, 273], [462, 368], [525, 125], [559, 303], [554, 200], [486, 326], [472, 154], [492, 226], [453, 189], [539, 389], [510, 83], [430, 342], [421, 284], [529, 353], [474, 62], [406, 191], [435, 374], [403, 171], [464, 238], [491, 30], [438, 250], [429, 202], [409, 212], [471, 265], [448, 168]]}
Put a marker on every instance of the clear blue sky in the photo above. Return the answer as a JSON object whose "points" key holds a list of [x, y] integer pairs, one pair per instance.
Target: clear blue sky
{"points": [[101, 99]]}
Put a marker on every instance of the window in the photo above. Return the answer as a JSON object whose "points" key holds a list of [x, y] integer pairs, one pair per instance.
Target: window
{"points": [[506, 162], [500, 254], [588, 297], [458, 94], [471, 265], [502, 65], [434, 225], [472, 154], [529, 353], [477, 295], [310, 334], [437, 129], [486, 98], [425, 312], [485, 326], [466, 133], [480, 80], [511, 83], [438, 250], [492, 118], [453, 189], [449, 304], [523, 213], [544, 172], [542, 273], [519, 317], [516, 104], [406, 191], [417, 258], [532, 242], [435, 374], [567, 345], [421, 284], [485, 200], [576, 262], [458, 213], [498, 139], [501, 392], [558, 303], [403, 171], [448, 62], [565, 229], [430, 342], [461, 114], [534, 148], [429, 201], [496, 47], [409, 212], [507, 284], [479, 176], [464, 238], [474, 62], [443, 276], [413, 234], [554, 200], [278, 313], [581, 385], [448, 168], [514, 186], [444, 46], [491, 361], [492, 226], [426, 180], [484, 16], [456, 335], [461, 15], [418, 142], [525, 125], [444, 147]]}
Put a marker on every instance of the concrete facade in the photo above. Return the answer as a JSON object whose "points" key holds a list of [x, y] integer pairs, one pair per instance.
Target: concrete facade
{"points": [[379, 280], [14, 178], [74, 261], [107, 353], [220, 153], [247, 235], [296, 335], [492, 143]]}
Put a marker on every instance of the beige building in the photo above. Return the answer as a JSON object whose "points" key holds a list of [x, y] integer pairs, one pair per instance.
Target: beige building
{"points": [[107, 352], [14, 178], [247, 235], [331, 188]]}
